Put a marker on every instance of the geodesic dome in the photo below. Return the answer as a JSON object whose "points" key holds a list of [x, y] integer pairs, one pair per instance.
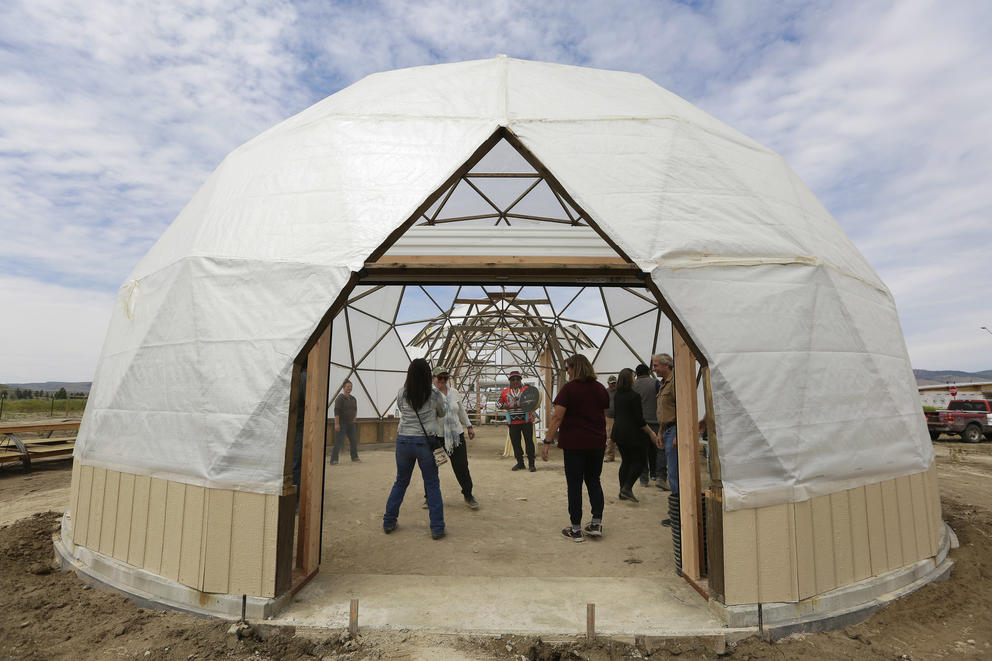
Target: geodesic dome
{"points": [[812, 387]]}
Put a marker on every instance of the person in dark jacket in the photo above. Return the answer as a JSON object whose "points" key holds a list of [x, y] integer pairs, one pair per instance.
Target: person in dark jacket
{"points": [[580, 420], [611, 448], [345, 413], [632, 435], [647, 387]]}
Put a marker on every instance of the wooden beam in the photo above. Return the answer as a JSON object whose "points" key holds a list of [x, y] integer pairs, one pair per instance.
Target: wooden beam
{"points": [[467, 328], [295, 411], [314, 438], [23, 427], [509, 299], [714, 498], [546, 371], [477, 260], [716, 474], [543, 274], [687, 433]]}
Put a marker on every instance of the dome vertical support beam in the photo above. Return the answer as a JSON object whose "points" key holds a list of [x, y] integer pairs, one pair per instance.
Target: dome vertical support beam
{"points": [[312, 472], [714, 499], [687, 433]]}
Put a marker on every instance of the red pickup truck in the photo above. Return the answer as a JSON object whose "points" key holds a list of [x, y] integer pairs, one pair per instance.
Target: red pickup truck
{"points": [[971, 418]]}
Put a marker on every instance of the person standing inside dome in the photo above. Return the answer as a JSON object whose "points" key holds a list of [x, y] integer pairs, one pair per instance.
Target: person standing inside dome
{"points": [[631, 433], [521, 421], [455, 424], [580, 421], [420, 406]]}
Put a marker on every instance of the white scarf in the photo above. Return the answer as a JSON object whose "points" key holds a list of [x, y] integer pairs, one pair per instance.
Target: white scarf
{"points": [[452, 435]]}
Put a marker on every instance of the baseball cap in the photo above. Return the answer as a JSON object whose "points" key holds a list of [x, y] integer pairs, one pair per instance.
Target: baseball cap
{"points": [[440, 369], [612, 379], [515, 375]]}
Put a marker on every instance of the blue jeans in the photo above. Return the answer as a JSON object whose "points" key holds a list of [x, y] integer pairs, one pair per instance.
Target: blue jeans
{"points": [[671, 458], [412, 450]]}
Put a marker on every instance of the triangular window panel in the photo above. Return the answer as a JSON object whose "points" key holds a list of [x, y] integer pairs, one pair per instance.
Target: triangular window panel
{"points": [[503, 158], [366, 333], [623, 304], [380, 303], [648, 334], [502, 210]]}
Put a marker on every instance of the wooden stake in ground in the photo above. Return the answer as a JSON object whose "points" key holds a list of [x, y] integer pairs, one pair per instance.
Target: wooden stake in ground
{"points": [[353, 619], [590, 620]]}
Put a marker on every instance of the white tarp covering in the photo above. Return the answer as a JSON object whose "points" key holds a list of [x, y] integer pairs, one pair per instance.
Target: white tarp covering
{"points": [[812, 384]]}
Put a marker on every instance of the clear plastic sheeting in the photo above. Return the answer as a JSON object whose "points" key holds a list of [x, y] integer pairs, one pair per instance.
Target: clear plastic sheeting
{"points": [[812, 386]]}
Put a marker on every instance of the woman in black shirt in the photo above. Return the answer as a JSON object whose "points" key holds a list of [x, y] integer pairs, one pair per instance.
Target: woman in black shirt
{"points": [[630, 433]]}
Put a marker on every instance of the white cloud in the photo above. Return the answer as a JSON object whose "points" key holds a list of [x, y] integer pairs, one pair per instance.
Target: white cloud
{"points": [[51, 333], [113, 113]]}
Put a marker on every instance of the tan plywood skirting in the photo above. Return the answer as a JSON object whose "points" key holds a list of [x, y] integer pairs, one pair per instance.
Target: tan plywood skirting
{"points": [[81, 516], [805, 562], [878, 551], [108, 524], [776, 561], [122, 522], [139, 520], [741, 565], [175, 507], [216, 568], [213, 540], [96, 508], [890, 516], [840, 518], [857, 503], [155, 539], [787, 553], [192, 536], [247, 553], [74, 489]]}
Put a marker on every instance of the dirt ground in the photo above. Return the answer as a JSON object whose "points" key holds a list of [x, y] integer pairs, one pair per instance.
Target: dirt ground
{"points": [[49, 614], [517, 526]]}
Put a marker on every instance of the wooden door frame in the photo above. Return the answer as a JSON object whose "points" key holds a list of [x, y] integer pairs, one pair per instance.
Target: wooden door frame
{"points": [[557, 271]]}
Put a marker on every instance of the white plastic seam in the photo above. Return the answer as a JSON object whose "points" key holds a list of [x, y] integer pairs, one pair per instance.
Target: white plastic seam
{"points": [[700, 261]]}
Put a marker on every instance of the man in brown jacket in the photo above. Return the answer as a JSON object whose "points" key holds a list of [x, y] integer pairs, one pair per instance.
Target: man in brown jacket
{"points": [[661, 364]]}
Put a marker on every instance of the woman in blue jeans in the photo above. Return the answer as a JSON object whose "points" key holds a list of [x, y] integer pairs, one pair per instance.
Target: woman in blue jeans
{"points": [[420, 407]]}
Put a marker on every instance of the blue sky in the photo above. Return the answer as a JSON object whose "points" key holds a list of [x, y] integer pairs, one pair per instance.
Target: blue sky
{"points": [[113, 113]]}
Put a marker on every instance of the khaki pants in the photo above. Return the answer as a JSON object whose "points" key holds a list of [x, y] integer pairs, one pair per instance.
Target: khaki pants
{"points": [[611, 447]]}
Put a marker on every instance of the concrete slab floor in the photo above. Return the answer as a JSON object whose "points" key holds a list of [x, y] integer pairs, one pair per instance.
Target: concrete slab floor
{"points": [[504, 568], [520, 605]]}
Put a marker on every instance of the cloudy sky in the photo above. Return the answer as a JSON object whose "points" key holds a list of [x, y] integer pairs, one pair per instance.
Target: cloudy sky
{"points": [[112, 113]]}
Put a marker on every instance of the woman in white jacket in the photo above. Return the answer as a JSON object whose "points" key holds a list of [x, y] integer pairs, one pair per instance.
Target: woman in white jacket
{"points": [[455, 424]]}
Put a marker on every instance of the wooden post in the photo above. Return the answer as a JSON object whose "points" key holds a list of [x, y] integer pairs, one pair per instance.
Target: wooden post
{"points": [[312, 470], [590, 620], [546, 377], [714, 511], [687, 433], [353, 619]]}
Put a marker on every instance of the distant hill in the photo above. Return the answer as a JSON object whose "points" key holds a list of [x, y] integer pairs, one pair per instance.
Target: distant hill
{"points": [[935, 377], [51, 386]]}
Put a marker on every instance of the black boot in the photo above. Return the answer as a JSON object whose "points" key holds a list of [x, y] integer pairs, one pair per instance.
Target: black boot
{"points": [[518, 466], [532, 468]]}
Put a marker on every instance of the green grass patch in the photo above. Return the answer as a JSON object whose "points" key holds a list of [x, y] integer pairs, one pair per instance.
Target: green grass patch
{"points": [[16, 408]]}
